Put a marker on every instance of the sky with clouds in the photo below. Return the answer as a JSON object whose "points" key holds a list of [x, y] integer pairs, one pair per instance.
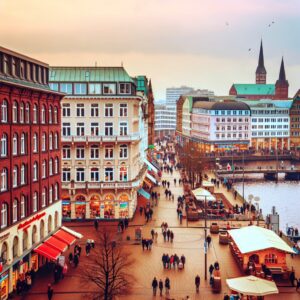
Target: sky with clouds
{"points": [[203, 44]]}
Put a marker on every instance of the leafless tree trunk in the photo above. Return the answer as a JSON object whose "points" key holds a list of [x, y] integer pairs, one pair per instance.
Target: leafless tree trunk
{"points": [[109, 268]]}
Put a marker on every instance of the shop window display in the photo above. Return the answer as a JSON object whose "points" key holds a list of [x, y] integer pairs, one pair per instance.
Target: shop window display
{"points": [[80, 206], [109, 207], [94, 207], [123, 206], [66, 207]]}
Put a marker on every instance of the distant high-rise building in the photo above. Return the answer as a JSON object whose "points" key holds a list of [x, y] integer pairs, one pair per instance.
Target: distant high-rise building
{"points": [[174, 93]]}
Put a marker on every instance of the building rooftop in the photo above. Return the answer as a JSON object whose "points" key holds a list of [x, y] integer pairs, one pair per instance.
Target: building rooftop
{"points": [[254, 89], [268, 103], [221, 105], [89, 74]]}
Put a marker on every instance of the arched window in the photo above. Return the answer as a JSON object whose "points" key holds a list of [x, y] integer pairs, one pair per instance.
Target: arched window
{"points": [[23, 174], [4, 111], [35, 143], [56, 165], [35, 172], [44, 195], [50, 114], [22, 112], [123, 172], [42, 229], [35, 113], [50, 141], [27, 113], [44, 142], [49, 223], [15, 112], [35, 202], [3, 145], [23, 143], [43, 115], [25, 240], [15, 176], [44, 168], [34, 234], [4, 253], [123, 151], [55, 115], [22, 207], [56, 219], [50, 194], [55, 140], [4, 180], [15, 144], [15, 211], [50, 167], [15, 247], [4, 215], [56, 187]]}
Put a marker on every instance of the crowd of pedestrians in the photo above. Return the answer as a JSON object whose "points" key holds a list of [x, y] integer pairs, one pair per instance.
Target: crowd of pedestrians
{"points": [[174, 261], [161, 285]]}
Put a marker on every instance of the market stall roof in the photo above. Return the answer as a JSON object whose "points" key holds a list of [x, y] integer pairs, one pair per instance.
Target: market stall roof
{"points": [[56, 244], [254, 238], [47, 251], [252, 286], [151, 166], [144, 193], [202, 194], [151, 178]]}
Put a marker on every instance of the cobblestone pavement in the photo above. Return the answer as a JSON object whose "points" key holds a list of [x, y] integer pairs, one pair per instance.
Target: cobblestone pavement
{"points": [[189, 240]]}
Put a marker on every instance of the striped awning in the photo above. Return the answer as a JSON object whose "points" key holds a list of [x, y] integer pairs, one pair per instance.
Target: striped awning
{"points": [[151, 167], [143, 193], [151, 178]]}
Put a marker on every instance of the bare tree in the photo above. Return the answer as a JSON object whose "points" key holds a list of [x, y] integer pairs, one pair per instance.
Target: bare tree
{"points": [[109, 269]]}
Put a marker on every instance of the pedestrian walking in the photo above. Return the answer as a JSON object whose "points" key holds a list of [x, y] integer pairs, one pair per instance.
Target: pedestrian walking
{"points": [[87, 248], [70, 258], [155, 237], [173, 197], [154, 285], [182, 260], [152, 233], [175, 181], [160, 286], [171, 236], [211, 269], [168, 234], [76, 260], [208, 240], [50, 292], [96, 225], [165, 235], [197, 283], [167, 286], [292, 277]]}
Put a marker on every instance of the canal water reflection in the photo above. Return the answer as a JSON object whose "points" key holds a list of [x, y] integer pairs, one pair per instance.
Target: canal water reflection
{"points": [[285, 196]]}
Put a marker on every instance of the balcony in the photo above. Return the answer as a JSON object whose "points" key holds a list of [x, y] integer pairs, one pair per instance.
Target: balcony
{"points": [[78, 138], [109, 138], [132, 137], [94, 138], [66, 138]]}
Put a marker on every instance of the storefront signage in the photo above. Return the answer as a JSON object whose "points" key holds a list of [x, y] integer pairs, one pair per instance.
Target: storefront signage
{"points": [[33, 219], [4, 237]]}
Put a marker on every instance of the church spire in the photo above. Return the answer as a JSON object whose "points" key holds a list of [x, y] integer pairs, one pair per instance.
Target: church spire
{"points": [[282, 71], [261, 72]]}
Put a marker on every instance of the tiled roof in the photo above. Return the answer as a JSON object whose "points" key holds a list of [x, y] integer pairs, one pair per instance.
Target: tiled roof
{"points": [[254, 89], [89, 74]]}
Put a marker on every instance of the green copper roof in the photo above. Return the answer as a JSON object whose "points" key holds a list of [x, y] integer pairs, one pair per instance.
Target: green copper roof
{"points": [[142, 84], [89, 74], [255, 89]]}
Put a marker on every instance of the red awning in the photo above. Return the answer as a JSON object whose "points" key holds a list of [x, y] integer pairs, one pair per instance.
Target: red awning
{"points": [[56, 244], [65, 237], [47, 251]]}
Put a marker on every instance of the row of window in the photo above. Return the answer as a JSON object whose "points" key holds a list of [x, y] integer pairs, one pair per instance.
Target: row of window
{"points": [[272, 120], [95, 151], [232, 128], [233, 135], [20, 147], [270, 126], [272, 133], [94, 110], [270, 112], [109, 174], [92, 88], [20, 207], [232, 120], [234, 112], [95, 129], [21, 179], [21, 113]]}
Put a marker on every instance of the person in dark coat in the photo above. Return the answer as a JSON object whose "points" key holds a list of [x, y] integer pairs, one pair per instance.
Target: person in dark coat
{"points": [[167, 286], [154, 286], [160, 286], [208, 240], [70, 257], [168, 234], [50, 292], [211, 269], [96, 224], [76, 260], [182, 260], [292, 277], [197, 283]]}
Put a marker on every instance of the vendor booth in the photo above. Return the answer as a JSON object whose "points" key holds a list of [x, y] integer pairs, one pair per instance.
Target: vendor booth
{"points": [[257, 249]]}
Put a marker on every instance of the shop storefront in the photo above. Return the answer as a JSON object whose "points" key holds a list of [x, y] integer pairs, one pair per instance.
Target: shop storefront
{"points": [[95, 207], [4, 285], [35, 261], [109, 206], [66, 207], [80, 207], [123, 206]]}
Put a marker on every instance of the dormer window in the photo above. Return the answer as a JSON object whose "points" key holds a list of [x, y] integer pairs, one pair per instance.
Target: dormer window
{"points": [[80, 88], [109, 88], [125, 88]]}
